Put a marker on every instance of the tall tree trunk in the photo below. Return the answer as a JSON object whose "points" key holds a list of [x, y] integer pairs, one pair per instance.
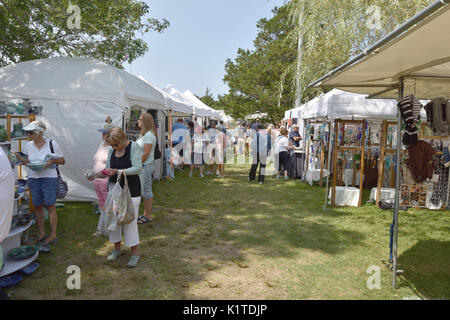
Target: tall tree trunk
{"points": [[299, 86]]}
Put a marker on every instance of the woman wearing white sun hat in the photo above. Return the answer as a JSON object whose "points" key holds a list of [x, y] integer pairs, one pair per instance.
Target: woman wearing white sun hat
{"points": [[43, 184]]}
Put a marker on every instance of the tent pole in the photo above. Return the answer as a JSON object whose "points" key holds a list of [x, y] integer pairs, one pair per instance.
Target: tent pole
{"points": [[170, 136], [397, 188], [330, 138]]}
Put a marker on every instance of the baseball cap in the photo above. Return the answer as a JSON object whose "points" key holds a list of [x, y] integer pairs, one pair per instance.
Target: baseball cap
{"points": [[35, 125]]}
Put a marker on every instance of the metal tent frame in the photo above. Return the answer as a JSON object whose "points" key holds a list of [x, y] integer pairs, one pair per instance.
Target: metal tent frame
{"points": [[408, 75]]}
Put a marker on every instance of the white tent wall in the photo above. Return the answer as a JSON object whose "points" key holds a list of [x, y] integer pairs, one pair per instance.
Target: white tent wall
{"points": [[78, 94], [74, 125]]}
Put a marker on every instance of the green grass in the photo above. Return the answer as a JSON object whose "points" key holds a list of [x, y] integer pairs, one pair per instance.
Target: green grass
{"points": [[230, 239]]}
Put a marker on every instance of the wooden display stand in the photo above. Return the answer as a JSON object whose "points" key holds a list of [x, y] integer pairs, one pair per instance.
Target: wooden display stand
{"points": [[353, 149], [9, 124], [322, 151], [383, 151]]}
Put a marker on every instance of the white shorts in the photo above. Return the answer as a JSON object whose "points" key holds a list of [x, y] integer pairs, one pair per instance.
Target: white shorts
{"points": [[129, 231]]}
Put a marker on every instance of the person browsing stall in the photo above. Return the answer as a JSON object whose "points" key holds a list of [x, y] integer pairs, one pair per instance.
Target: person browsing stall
{"points": [[43, 183], [147, 144]]}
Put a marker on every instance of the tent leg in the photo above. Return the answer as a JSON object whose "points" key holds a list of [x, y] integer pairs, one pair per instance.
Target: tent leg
{"points": [[330, 144], [397, 189]]}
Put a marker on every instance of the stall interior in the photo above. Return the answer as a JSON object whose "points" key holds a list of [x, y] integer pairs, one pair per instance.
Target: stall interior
{"points": [[317, 138]]}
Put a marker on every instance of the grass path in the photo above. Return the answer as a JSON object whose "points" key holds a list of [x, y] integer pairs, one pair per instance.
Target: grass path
{"points": [[230, 239]]}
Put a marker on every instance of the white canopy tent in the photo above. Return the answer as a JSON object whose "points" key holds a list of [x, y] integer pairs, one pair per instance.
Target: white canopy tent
{"points": [[172, 103], [197, 111], [415, 58], [338, 104], [211, 113], [77, 95]]}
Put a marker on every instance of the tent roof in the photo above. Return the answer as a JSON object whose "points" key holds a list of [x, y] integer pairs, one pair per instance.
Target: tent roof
{"points": [[81, 79], [418, 51], [181, 97], [212, 112], [338, 104], [171, 102]]}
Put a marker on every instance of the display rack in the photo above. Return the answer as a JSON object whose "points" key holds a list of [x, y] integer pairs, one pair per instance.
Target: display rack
{"points": [[13, 240], [323, 147], [9, 123], [354, 149]]}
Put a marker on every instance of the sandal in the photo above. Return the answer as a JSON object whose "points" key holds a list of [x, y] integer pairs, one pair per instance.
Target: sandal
{"points": [[144, 219], [55, 241]]}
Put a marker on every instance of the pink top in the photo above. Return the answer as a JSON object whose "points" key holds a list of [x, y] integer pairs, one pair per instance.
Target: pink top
{"points": [[100, 158]]}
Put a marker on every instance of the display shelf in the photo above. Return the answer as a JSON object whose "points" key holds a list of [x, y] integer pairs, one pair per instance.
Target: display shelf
{"points": [[19, 229], [20, 138], [10, 242], [13, 265]]}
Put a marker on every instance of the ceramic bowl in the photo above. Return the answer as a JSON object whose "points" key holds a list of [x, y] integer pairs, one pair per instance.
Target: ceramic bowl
{"points": [[37, 166]]}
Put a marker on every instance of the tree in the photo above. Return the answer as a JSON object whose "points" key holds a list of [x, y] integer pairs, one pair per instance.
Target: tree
{"points": [[106, 30], [208, 99], [329, 32], [254, 76]]}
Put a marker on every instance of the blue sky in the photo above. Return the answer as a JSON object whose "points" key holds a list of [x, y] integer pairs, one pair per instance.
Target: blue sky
{"points": [[191, 53]]}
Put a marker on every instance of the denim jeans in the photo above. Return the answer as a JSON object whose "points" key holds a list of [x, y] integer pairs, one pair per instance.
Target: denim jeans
{"points": [[146, 180]]}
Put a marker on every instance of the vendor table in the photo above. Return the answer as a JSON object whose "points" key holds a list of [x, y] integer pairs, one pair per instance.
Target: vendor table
{"points": [[387, 195], [346, 196], [313, 175]]}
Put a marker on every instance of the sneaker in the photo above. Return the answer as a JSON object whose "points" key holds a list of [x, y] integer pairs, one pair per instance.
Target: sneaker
{"points": [[114, 255], [133, 261], [218, 174], [260, 182], [190, 174], [278, 177], [286, 178], [97, 233], [201, 175]]}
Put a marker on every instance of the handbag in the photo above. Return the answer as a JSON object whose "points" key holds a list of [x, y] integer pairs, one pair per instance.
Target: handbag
{"points": [[62, 189], [118, 206], [158, 154]]}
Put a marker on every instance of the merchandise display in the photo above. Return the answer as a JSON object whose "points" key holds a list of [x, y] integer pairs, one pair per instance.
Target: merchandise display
{"points": [[10, 281], [23, 252]]}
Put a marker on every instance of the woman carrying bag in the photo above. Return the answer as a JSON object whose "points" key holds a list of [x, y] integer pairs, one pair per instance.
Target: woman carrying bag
{"points": [[125, 156]]}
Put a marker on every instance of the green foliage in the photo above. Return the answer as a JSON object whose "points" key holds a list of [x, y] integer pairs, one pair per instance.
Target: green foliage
{"points": [[208, 99], [33, 29], [254, 76], [335, 30], [332, 31]]}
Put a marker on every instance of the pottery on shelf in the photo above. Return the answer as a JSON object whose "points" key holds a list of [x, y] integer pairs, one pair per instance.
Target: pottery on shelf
{"points": [[11, 107], [18, 131], [3, 107], [37, 110], [20, 109], [3, 133]]}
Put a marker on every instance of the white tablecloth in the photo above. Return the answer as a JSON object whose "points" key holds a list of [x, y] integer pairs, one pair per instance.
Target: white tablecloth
{"points": [[387, 194], [345, 196], [314, 175]]}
